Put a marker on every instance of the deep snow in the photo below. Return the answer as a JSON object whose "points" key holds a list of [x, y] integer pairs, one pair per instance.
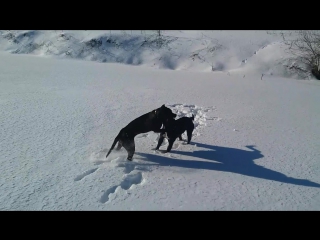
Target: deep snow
{"points": [[255, 146]]}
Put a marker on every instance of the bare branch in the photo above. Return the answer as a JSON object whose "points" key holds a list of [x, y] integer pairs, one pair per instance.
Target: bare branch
{"points": [[306, 49]]}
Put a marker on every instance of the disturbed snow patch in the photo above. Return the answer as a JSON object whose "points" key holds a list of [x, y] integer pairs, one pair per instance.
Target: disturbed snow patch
{"points": [[186, 110]]}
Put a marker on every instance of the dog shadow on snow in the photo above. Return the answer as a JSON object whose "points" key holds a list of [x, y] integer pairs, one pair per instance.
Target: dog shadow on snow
{"points": [[228, 160]]}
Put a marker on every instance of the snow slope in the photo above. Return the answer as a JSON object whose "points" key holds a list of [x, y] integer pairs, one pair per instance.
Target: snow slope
{"points": [[255, 146], [239, 52]]}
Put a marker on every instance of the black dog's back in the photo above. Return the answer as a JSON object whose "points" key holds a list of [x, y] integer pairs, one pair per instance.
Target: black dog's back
{"points": [[182, 124], [151, 121]]}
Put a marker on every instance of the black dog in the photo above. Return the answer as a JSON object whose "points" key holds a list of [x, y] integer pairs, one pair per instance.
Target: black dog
{"points": [[175, 128], [151, 121]]}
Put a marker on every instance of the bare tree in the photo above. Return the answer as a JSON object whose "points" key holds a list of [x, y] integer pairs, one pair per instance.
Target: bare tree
{"points": [[306, 49]]}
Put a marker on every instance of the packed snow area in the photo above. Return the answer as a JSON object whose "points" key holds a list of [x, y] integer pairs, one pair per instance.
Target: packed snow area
{"points": [[256, 140]]}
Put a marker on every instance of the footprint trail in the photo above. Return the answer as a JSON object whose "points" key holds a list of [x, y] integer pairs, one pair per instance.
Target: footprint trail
{"points": [[84, 174], [128, 181]]}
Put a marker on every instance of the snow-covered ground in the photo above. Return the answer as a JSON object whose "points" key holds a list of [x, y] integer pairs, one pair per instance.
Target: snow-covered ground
{"points": [[255, 146]]}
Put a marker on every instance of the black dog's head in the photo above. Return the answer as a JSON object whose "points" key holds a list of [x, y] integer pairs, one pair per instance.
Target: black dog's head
{"points": [[165, 113], [170, 125]]}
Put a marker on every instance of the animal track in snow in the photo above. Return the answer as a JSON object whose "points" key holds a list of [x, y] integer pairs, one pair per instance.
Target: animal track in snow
{"points": [[132, 175], [186, 110], [128, 166], [84, 174], [105, 197], [128, 181]]}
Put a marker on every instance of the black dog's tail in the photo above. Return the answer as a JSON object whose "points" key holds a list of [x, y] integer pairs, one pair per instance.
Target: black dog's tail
{"points": [[114, 142], [192, 118]]}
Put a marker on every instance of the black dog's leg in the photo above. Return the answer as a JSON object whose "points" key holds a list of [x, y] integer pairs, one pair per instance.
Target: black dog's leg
{"points": [[119, 145], [160, 141], [180, 137], [160, 130], [129, 145], [189, 134], [171, 141]]}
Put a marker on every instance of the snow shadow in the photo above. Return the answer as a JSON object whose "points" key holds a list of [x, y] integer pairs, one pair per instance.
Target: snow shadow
{"points": [[228, 160]]}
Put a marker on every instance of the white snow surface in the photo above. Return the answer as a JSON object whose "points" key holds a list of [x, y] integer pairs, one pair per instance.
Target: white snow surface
{"points": [[255, 146]]}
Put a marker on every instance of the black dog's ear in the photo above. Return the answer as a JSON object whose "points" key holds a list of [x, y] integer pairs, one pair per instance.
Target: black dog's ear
{"points": [[163, 106]]}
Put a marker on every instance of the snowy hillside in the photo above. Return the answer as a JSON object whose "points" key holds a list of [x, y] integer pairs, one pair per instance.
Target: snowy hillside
{"points": [[256, 140], [232, 52]]}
